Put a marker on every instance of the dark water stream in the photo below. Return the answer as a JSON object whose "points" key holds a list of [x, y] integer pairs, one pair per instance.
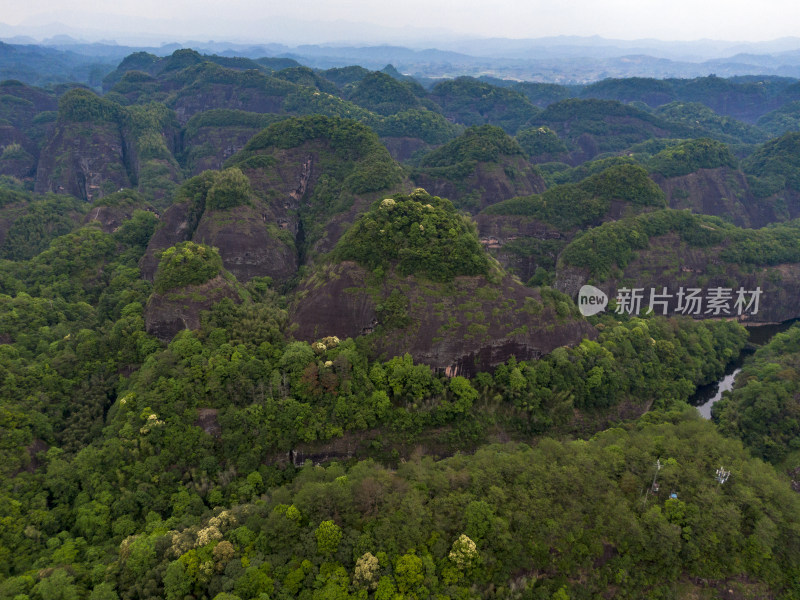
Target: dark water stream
{"points": [[706, 395]]}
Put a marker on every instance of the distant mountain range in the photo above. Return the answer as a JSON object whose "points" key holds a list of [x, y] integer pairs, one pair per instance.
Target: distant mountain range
{"points": [[56, 53]]}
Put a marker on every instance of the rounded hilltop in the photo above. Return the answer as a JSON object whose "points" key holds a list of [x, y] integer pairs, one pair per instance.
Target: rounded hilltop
{"points": [[185, 264], [419, 234]]}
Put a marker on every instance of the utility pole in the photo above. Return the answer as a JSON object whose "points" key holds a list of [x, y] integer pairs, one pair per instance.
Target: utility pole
{"points": [[653, 485], [722, 475]]}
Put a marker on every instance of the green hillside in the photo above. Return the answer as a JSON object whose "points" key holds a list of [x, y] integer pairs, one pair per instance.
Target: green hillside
{"points": [[273, 331]]}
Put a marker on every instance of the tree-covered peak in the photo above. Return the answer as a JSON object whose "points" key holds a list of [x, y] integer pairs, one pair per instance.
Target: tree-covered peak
{"points": [[540, 140], [572, 205], [700, 116], [231, 188], [643, 89], [216, 190], [484, 143], [626, 182], [340, 133], [778, 160], [342, 76], [421, 123], [180, 59], [80, 105], [418, 233], [689, 156], [473, 102], [359, 162], [464, 86], [185, 264], [383, 94], [307, 77], [138, 61], [574, 108], [276, 63]]}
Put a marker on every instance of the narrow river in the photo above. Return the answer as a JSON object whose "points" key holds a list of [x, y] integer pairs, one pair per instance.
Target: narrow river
{"points": [[707, 395], [723, 385]]}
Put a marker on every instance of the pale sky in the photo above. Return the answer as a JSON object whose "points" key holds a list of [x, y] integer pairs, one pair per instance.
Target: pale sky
{"points": [[733, 20]]}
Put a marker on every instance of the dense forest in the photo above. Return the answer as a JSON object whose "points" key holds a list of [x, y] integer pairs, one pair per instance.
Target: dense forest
{"points": [[272, 332]]}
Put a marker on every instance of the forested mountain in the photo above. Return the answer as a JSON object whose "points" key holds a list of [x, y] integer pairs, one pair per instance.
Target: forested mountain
{"points": [[269, 331]]}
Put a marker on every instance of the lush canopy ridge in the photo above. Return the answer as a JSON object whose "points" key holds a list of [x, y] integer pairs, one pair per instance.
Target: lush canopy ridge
{"points": [[419, 234]]}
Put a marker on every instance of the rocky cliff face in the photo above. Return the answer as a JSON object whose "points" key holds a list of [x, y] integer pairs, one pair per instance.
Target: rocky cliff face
{"points": [[259, 239], [111, 217], [250, 246], [250, 243], [669, 262], [168, 314], [488, 184], [302, 201], [18, 153], [724, 192], [177, 224], [29, 111], [86, 160], [287, 182], [521, 244], [460, 328], [210, 147], [403, 148]]}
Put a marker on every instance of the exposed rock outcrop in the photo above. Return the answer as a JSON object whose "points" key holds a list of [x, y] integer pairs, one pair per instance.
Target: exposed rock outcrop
{"points": [[724, 192], [504, 236], [403, 148], [170, 313], [249, 244], [177, 225], [489, 183], [460, 327], [308, 180], [671, 263], [210, 147], [86, 160]]}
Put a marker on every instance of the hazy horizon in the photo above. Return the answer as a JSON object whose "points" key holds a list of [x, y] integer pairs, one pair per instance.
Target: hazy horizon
{"points": [[312, 21]]}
